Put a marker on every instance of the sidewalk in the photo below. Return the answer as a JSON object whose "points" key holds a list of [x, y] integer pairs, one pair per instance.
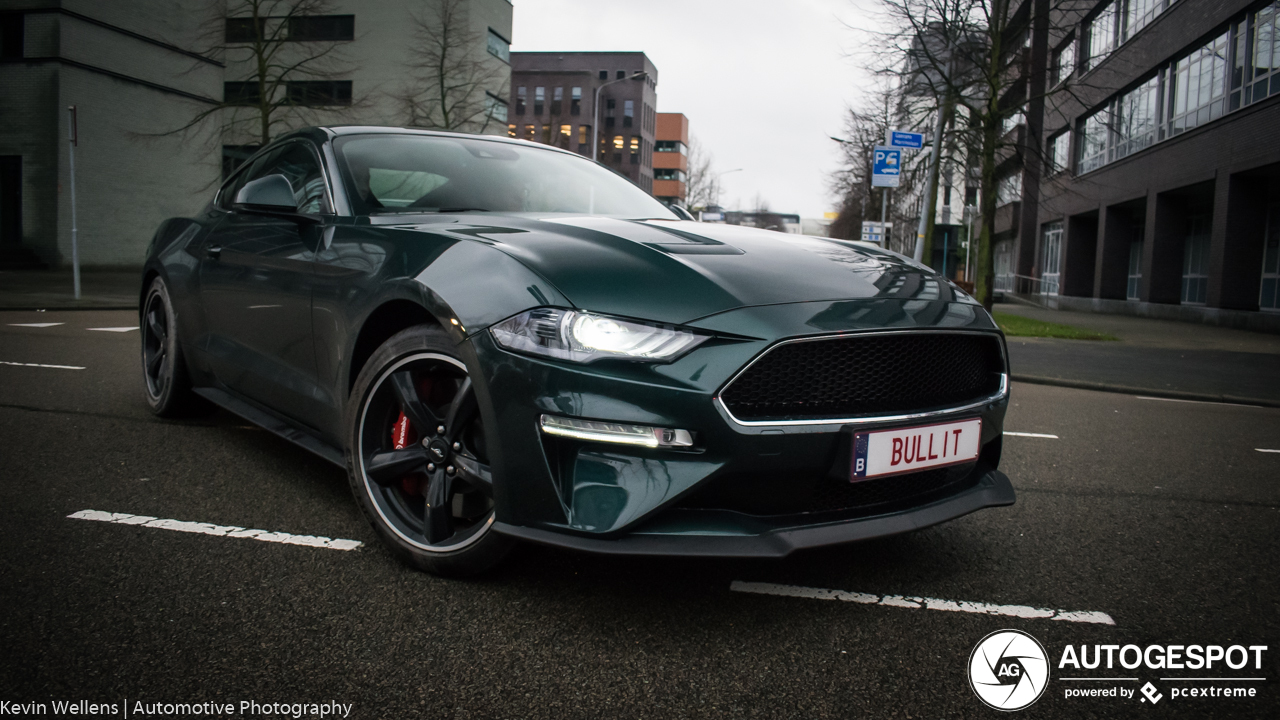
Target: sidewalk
{"points": [[1156, 357], [55, 290]]}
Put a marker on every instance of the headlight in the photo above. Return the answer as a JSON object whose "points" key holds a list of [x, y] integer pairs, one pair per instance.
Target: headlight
{"points": [[584, 337]]}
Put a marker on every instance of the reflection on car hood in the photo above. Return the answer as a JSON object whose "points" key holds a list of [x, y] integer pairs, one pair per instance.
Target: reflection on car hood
{"points": [[676, 272]]}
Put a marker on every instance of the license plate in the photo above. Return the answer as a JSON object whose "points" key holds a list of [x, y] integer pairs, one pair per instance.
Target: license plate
{"points": [[904, 450]]}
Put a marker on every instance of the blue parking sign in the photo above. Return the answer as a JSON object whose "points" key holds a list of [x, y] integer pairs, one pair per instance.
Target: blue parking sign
{"points": [[886, 166]]}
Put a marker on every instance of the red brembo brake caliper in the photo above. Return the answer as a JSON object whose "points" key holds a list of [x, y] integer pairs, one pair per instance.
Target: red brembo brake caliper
{"points": [[403, 435]]}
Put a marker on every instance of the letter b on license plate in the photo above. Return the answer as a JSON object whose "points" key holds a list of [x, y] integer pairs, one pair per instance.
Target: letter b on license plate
{"points": [[904, 450]]}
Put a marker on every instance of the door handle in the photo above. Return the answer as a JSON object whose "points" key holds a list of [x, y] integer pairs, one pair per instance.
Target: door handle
{"points": [[213, 251]]}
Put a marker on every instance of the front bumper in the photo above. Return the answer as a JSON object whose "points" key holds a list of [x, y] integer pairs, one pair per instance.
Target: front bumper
{"points": [[992, 490], [615, 499]]}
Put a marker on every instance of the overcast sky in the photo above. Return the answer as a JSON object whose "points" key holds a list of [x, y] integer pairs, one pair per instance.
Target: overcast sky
{"points": [[763, 82]]}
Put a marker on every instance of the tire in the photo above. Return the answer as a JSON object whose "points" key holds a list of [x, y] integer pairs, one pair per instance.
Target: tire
{"points": [[165, 381], [416, 456]]}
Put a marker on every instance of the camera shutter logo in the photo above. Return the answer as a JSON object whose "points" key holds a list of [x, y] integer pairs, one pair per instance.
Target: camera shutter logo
{"points": [[1008, 670]]}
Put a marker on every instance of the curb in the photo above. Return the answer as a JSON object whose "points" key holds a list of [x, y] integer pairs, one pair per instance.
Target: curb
{"points": [[1149, 392]]}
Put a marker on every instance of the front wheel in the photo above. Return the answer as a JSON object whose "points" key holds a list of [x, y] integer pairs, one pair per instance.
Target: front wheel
{"points": [[164, 371], [417, 460]]}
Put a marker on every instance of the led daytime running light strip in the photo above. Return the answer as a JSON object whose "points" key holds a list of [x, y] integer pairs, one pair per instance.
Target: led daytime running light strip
{"points": [[620, 433]]}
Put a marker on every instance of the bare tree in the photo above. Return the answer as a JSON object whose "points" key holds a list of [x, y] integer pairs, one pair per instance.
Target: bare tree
{"points": [[454, 85], [702, 184], [287, 64], [970, 59]]}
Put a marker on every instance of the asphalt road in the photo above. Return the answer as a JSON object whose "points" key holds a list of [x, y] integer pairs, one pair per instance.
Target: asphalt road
{"points": [[1161, 514]]}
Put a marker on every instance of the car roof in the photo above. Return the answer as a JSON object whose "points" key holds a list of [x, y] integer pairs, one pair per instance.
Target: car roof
{"points": [[323, 133]]}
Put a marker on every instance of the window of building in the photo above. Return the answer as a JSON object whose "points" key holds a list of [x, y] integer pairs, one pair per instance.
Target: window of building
{"points": [[618, 144], [495, 108], [610, 106], [1003, 266], [1195, 260], [1064, 61], [575, 101], [233, 156], [240, 93], [1135, 271], [1009, 189], [511, 131], [546, 134], [671, 146], [539, 98], [1197, 86], [499, 46], [1135, 119], [318, 93], [1138, 14], [604, 74], [1263, 72], [668, 174], [1100, 35], [566, 134], [1059, 152], [621, 74], [1093, 141], [1270, 297], [530, 132], [241, 29], [1051, 257], [635, 149], [628, 112], [1010, 122], [584, 132], [322, 28], [11, 35], [557, 101], [520, 100]]}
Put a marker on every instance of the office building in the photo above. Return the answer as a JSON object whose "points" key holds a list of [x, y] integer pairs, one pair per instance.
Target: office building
{"points": [[138, 71], [567, 98]]}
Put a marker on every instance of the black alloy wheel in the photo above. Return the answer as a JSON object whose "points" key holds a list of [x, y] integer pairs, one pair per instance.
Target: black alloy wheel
{"points": [[164, 371], [418, 461]]}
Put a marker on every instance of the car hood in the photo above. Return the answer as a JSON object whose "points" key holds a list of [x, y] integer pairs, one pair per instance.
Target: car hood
{"points": [[678, 272]]}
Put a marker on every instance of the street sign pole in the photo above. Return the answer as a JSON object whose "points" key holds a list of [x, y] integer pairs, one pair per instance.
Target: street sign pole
{"points": [[927, 203], [75, 244]]}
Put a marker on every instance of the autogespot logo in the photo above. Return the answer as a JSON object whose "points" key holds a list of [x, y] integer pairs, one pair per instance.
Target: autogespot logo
{"points": [[1009, 670]]}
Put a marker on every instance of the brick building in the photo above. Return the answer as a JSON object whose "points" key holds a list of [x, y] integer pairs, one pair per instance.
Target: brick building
{"points": [[1161, 187], [553, 101], [671, 158]]}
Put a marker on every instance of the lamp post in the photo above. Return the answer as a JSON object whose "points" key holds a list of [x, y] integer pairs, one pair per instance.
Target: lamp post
{"points": [[595, 111]]}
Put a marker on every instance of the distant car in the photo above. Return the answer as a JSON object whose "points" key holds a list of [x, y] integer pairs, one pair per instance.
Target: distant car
{"points": [[505, 341]]}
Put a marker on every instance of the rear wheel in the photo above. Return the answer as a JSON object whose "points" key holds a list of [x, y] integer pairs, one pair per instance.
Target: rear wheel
{"points": [[418, 464], [164, 370]]}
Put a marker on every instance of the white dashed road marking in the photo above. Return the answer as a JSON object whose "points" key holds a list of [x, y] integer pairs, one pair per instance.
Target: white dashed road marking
{"points": [[1198, 402], [1039, 435], [217, 530], [926, 603], [1266, 450], [35, 325], [56, 367], [116, 329]]}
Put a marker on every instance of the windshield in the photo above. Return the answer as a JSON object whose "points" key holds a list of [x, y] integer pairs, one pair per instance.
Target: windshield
{"points": [[422, 173]]}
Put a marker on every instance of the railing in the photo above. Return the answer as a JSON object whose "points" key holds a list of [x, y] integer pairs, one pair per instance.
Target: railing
{"points": [[1027, 285]]}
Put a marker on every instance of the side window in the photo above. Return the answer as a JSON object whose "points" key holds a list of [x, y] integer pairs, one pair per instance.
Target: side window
{"points": [[301, 168]]}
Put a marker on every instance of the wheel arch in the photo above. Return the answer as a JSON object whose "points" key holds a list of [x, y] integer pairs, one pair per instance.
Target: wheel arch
{"points": [[385, 321]]}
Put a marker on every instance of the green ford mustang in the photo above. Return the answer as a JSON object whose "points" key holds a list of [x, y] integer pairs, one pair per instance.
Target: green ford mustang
{"points": [[502, 341]]}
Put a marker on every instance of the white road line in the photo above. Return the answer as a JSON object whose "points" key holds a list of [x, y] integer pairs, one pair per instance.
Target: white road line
{"points": [[1217, 679], [56, 367], [926, 603], [116, 329], [218, 530], [1039, 435], [35, 325], [1266, 450], [1196, 402], [1133, 679]]}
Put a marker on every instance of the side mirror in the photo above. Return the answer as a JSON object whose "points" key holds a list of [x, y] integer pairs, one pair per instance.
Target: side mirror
{"points": [[272, 193]]}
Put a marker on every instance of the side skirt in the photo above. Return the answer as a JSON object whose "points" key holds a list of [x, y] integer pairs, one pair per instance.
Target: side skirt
{"points": [[268, 420]]}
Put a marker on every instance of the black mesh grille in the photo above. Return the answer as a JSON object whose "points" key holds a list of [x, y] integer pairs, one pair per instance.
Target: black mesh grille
{"points": [[866, 375], [781, 496]]}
